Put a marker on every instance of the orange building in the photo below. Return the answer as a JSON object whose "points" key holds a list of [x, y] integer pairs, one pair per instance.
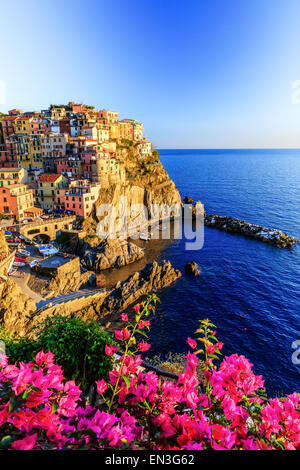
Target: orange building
{"points": [[15, 197]]}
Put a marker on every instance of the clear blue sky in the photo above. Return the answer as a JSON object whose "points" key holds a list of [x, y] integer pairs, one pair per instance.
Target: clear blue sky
{"points": [[197, 73]]}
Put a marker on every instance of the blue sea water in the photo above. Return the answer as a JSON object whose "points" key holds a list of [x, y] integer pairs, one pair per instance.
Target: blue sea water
{"points": [[249, 289]]}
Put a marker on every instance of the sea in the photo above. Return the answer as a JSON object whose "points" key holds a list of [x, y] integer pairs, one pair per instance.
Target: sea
{"points": [[250, 290]]}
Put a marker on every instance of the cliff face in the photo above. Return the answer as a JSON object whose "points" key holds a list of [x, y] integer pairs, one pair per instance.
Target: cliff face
{"points": [[15, 307], [146, 183], [3, 245], [20, 317]]}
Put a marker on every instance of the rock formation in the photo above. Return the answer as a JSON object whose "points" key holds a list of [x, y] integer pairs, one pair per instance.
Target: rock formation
{"points": [[258, 232], [15, 307], [111, 253], [3, 245], [69, 282], [153, 277], [192, 268], [146, 183]]}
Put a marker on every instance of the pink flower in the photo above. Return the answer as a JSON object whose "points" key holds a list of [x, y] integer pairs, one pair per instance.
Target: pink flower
{"points": [[143, 346], [27, 443], [110, 350], [192, 343], [119, 334], [137, 308], [124, 316], [122, 334], [101, 386], [126, 333]]}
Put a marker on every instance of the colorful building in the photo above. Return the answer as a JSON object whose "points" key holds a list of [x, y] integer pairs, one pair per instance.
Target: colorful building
{"points": [[79, 197], [145, 148], [47, 187], [15, 197], [53, 147], [108, 117], [126, 129]]}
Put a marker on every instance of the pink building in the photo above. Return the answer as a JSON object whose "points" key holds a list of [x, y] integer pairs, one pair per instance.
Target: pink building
{"points": [[79, 197], [40, 126]]}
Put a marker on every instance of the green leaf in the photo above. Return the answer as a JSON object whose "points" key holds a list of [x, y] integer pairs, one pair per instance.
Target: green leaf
{"points": [[141, 332], [126, 380]]}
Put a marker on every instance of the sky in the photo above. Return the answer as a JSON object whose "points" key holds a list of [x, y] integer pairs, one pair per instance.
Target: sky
{"points": [[197, 73]]}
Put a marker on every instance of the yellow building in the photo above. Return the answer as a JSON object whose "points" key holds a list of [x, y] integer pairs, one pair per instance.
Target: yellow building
{"points": [[57, 112], [114, 130], [48, 184], [126, 130], [22, 125], [35, 151]]}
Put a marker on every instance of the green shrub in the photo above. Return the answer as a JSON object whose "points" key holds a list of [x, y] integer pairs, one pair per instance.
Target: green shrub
{"points": [[78, 346]]}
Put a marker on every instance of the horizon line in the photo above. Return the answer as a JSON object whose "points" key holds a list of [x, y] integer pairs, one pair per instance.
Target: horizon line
{"points": [[228, 148]]}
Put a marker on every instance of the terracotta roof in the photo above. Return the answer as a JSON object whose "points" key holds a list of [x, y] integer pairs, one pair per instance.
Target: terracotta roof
{"points": [[48, 178]]}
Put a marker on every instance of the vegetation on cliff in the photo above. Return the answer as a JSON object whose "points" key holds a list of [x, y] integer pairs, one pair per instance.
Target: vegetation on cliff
{"points": [[79, 347]]}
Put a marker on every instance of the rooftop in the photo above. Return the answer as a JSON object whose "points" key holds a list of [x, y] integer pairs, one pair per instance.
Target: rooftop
{"points": [[48, 178], [54, 261]]}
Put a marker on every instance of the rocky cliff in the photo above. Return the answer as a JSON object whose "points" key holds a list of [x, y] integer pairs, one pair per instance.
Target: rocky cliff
{"points": [[15, 308], [111, 253], [69, 282], [20, 316], [3, 245], [146, 183]]}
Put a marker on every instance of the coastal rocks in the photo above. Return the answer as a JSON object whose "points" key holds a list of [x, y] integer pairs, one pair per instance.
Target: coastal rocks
{"points": [[111, 253], [3, 245], [198, 209], [192, 268], [15, 307], [69, 282], [153, 277], [188, 200], [258, 232]]}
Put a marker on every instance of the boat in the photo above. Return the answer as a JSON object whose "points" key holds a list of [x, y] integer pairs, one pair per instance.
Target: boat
{"points": [[33, 263], [19, 259], [19, 264], [23, 252], [47, 250], [12, 270]]}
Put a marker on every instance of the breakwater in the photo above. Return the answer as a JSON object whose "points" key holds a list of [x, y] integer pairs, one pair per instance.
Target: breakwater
{"points": [[258, 232]]}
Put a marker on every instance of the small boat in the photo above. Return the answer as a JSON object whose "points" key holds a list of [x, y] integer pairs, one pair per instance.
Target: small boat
{"points": [[19, 264], [12, 270], [23, 252], [33, 263], [20, 260]]}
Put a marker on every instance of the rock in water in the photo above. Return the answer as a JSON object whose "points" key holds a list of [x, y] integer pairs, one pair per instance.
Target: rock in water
{"points": [[192, 268], [188, 200]]}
